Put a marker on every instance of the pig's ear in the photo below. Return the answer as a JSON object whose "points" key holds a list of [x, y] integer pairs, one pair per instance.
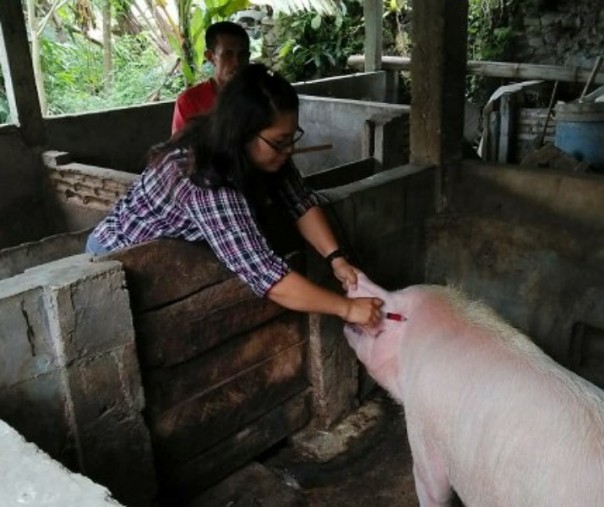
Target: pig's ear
{"points": [[366, 287]]}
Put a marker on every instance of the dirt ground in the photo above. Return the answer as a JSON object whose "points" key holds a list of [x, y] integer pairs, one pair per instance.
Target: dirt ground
{"points": [[375, 472]]}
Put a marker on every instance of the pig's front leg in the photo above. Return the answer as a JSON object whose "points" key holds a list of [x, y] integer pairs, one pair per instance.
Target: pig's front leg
{"points": [[430, 473]]}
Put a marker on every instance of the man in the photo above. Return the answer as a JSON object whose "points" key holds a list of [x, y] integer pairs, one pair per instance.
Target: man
{"points": [[227, 49]]}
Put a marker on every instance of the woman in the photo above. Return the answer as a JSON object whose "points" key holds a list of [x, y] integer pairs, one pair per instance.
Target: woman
{"points": [[212, 182]]}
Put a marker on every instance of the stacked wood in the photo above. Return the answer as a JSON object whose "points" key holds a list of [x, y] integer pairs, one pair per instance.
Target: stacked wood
{"points": [[224, 372]]}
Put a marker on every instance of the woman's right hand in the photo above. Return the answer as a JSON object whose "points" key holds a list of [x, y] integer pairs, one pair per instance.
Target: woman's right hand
{"points": [[364, 311]]}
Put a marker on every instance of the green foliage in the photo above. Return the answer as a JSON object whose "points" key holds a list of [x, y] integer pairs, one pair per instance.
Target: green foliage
{"points": [[490, 32], [189, 44], [74, 78], [4, 109], [4, 112], [490, 37], [318, 46], [397, 27]]}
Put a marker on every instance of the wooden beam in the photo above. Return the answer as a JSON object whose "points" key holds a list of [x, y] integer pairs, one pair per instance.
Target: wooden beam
{"points": [[18, 73], [438, 89], [373, 11], [519, 71]]}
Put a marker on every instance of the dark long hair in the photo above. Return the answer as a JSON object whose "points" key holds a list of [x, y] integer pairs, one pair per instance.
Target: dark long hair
{"points": [[248, 104]]}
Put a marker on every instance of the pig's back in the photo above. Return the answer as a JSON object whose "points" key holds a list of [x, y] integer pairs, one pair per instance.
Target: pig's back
{"points": [[513, 427]]}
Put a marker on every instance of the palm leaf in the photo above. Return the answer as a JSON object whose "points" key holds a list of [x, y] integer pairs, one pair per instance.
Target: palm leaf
{"points": [[322, 7]]}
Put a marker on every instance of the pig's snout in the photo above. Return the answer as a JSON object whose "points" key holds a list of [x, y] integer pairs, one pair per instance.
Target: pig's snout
{"points": [[362, 331]]}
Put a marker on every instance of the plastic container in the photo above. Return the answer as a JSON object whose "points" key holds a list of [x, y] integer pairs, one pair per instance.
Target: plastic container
{"points": [[580, 132]]}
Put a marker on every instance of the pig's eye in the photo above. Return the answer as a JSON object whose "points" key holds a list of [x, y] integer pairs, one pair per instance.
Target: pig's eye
{"points": [[355, 328]]}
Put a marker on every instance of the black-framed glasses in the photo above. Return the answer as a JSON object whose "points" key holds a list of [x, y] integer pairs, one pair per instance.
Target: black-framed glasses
{"points": [[281, 146]]}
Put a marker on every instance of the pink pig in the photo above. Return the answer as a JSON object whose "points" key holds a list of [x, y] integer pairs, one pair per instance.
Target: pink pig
{"points": [[488, 413]]}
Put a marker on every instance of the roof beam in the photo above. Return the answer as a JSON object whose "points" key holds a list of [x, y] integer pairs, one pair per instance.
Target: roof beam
{"points": [[18, 73]]}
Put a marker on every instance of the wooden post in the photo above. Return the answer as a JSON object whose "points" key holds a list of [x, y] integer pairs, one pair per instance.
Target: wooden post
{"points": [[373, 11], [506, 119], [438, 70], [18, 73]]}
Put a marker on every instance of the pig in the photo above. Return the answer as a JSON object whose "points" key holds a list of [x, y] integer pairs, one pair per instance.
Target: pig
{"points": [[489, 415]]}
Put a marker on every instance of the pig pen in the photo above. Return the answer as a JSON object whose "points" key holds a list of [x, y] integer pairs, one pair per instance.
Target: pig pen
{"points": [[525, 241], [255, 367], [530, 250]]}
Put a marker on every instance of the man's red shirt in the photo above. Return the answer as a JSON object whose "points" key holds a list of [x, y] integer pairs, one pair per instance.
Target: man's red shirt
{"points": [[198, 99]]}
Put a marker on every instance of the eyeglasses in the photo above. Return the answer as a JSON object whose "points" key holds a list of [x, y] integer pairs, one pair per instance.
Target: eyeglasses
{"points": [[281, 146]]}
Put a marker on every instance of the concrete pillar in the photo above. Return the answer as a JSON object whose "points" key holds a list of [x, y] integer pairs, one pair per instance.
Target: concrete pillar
{"points": [[69, 376]]}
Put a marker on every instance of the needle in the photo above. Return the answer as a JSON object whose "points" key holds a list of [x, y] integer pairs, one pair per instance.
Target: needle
{"points": [[395, 316]]}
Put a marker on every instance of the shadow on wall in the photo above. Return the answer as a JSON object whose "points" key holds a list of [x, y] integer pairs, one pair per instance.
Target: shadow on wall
{"points": [[528, 242]]}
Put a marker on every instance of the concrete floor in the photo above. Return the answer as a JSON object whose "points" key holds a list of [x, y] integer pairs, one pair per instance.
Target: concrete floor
{"points": [[375, 471]]}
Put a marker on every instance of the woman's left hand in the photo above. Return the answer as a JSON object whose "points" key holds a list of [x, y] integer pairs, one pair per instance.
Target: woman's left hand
{"points": [[345, 272]]}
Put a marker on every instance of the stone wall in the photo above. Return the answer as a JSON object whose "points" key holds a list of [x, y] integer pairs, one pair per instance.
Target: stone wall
{"points": [[561, 32]]}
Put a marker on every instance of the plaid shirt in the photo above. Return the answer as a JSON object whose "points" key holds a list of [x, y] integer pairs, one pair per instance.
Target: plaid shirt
{"points": [[164, 204]]}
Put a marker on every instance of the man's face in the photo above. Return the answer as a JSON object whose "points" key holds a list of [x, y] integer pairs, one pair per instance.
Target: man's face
{"points": [[230, 54]]}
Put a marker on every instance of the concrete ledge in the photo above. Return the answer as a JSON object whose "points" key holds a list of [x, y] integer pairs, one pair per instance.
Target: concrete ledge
{"points": [[31, 477], [324, 446]]}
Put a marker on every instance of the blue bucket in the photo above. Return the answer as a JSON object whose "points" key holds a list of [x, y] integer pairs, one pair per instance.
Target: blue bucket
{"points": [[580, 132]]}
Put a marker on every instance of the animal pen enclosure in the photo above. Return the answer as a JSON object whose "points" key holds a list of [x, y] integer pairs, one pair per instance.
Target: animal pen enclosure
{"points": [[513, 223], [224, 375]]}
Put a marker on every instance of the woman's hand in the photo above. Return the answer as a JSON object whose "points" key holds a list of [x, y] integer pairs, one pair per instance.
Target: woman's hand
{"points": [[345, 272], [364, 311]]}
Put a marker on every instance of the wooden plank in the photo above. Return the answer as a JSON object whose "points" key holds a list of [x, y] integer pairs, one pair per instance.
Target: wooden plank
{"points": [[187, 328], [183, 432], [517, 71], [19, 79], [506, 122], [180, 484], [163, 271], [167, 387]]}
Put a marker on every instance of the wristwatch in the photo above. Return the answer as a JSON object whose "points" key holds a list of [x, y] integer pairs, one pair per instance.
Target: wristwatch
{"points": [[338, 252]]}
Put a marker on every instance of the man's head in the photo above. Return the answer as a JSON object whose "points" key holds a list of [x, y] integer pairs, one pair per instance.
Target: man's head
{"points": [[227, 49]]}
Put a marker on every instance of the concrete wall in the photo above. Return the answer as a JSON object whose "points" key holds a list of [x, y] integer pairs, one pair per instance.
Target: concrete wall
{"points": [[22, 174], [120, 138], [356, 129], [380, 221], [378, 86], [529, 242], [69, 376], [117, 138]]}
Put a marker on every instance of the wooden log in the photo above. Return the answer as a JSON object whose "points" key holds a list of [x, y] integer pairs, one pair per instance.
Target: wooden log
{"points": [[163, 271], [167, 387], [180, 484], [180, 332], [192, 427], [522, 71]]}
